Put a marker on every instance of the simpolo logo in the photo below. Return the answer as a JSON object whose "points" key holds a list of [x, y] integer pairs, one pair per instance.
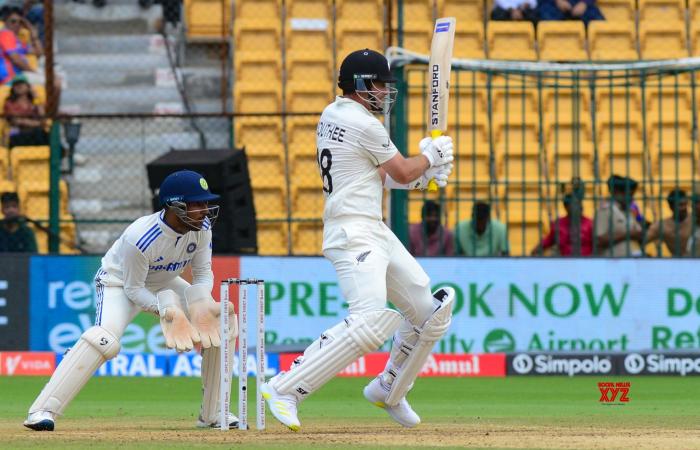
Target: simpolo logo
{"points": [[499, 341], [634, 363], [522, 363], [548, 364]]}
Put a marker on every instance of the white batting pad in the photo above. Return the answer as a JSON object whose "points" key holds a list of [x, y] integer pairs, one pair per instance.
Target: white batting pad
{"points": [[415, 350], [94, 347], [211, 380], [342, 344]]}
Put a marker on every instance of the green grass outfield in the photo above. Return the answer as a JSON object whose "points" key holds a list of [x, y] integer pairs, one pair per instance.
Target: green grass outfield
{"points": [[537, 412]]}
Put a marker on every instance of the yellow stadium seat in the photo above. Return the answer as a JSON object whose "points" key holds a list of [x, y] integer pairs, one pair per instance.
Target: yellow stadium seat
{"points": [[308, 43], [257, 97], [669, 135], [666, 11], [307, 202], [469, 40], [693, 11], [272, 238], [256, 41], [67, 233], [517, 138], [669, 102], [307, 238], [618, 10], [30, 163], [465, 11], [513, 101], [270, 200], [302, 135], [470, 138], [467, 103], [511, 40], [473, 166], [4, 164], [203, 18], [677, 168], [562, 41], [523, 238], [619, 136], [618, 103], [263, 167], [359, 24], [566, 107], [257, 71], [304, 97], [7, 186], [351, 36], [612, 41], [34, 198], [316, 9], [661, 40], [259, 135], [517, 167], [695, 35], [564, 167], [568, 138], [304, 171]]}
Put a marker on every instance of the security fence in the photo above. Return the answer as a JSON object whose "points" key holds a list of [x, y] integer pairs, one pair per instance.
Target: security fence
{"points": [[607, 142]]}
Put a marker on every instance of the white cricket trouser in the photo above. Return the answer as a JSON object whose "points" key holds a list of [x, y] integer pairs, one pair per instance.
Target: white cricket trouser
{"points": [[373, 266], [115, 310]]}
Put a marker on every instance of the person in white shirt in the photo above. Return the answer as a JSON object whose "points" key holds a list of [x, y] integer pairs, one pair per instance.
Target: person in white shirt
{"points": [[357, 161], [141, 272]]}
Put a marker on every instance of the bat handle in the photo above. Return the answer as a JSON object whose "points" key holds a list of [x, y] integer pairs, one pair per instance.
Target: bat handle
{"points": [[432, 185]]}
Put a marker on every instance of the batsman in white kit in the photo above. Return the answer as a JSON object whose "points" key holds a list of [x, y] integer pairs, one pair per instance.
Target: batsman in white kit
{"points": [[357, 160], [141, 272]]}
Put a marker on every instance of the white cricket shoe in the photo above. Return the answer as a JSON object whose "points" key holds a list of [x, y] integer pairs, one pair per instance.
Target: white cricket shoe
{"points": [[402, 413], [41, 421], [283, 407], [232, 422]]}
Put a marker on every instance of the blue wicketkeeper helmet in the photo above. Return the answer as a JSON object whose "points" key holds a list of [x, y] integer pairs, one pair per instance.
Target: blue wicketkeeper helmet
{"points": [[186, 186]]}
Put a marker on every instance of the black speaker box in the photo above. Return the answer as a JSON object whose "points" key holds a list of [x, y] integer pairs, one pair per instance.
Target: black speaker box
{"points": [[226, 172]]}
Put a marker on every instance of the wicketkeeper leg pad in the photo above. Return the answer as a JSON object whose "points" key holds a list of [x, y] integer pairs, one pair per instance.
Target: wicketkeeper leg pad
{"points": [[410, 353], [340, 345], [94, 347], [211, 380]]}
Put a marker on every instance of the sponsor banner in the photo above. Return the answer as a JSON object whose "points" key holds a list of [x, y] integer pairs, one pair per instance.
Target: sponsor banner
{"points": [[510, 305], [14, 307], [682, 364], [63, 301], [669, 363], [27, 363], [561, 364], [176, 365], [437, 365]]}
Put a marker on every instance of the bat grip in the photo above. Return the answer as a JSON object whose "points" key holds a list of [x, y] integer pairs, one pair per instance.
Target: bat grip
{"points": [[432, 185]]}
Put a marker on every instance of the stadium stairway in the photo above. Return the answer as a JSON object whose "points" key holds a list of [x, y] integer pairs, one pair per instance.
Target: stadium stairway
{"points": [[115, 61]]}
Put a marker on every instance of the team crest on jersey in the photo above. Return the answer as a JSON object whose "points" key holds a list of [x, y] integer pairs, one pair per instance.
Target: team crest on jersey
{"points": [[191, 247]]}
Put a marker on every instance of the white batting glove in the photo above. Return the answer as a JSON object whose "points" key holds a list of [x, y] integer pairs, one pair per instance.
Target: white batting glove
{"points": [[177, 330], [439, 174], [439, 151]]}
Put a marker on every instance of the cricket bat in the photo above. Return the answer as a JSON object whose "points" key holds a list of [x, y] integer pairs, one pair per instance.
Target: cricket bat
{"points": [[439, 76]]}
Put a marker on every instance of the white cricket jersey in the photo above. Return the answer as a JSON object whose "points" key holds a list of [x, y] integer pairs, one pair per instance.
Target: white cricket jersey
{"points": [[351, 144], [150, 253]]}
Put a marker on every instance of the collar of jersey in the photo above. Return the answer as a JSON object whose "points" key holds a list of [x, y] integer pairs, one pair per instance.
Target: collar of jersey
{"points": [[340, 100], [167, 229]]}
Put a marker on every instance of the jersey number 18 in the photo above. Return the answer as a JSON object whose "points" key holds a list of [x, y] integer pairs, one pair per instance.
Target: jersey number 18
{"points": [[325, 160]]}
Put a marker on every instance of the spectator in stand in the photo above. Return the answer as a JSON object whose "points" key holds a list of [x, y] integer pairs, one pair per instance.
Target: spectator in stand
{"points": [[430, 238], [585, 10], [25, 117], [692, 248], [674, 231], [617, 231], [15, 236], [18, 51], [563, 230], [482, 235], [515, 10]]}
